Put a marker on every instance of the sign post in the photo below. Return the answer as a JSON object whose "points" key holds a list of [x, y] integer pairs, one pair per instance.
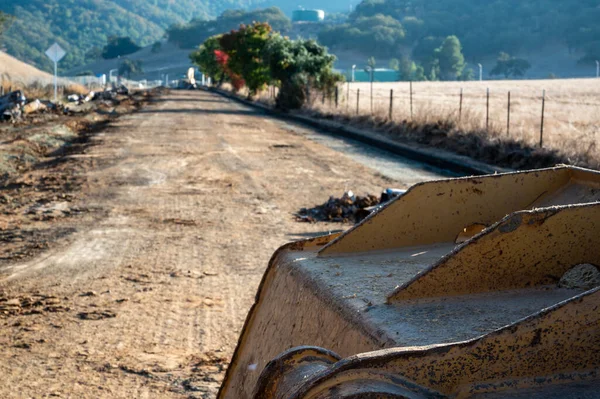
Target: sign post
{"points": [[55, 53]]}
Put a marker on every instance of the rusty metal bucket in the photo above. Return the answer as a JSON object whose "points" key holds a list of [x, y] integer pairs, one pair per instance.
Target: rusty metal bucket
{"points": [[469, 287]]}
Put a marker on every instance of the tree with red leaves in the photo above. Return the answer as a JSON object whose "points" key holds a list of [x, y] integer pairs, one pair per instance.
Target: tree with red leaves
{"points": [[223, 60], [245, 49]]}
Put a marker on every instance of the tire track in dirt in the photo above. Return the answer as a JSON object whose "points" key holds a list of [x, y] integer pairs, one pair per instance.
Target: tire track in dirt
{"points": [[193, 195]]}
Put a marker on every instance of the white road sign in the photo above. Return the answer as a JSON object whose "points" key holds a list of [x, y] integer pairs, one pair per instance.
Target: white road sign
{"points": [[55, 52]]}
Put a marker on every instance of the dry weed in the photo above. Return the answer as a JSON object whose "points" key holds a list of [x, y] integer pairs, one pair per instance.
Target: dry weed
{"points": [[42, 90], [571, 119]]}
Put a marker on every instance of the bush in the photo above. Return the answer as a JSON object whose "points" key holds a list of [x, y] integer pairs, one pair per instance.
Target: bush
{"points": [[119, 46]]}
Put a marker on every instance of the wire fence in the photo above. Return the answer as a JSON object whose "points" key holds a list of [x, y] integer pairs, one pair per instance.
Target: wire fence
{"points": [[64, 83], [551, 118], [561, 114]]}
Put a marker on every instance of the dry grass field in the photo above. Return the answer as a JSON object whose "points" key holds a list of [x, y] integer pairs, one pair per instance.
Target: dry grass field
{"points": [[19, 71], [17, 75], [571, 115]]}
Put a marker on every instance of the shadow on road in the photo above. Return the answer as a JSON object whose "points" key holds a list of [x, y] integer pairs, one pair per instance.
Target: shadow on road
{"points": [[200, 111], [166, 100]]}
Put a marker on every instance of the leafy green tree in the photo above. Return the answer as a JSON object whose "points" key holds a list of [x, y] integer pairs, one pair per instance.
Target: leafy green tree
{"points": [[380, 35], [406, 69], [510, 66], [129, 67], [206, 60], [119, 47], [94, 54], [297, 65], [468, 74], [5, 21], [424, 54], [336, 18], [394, 64], [451, 59], [372, 62], [419, 74], [434, 70], [414, 27], [245, 49]]}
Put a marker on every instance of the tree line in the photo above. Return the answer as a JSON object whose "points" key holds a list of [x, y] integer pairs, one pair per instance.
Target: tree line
{"points": [[444, 60], [387, 28], [190, 35]]}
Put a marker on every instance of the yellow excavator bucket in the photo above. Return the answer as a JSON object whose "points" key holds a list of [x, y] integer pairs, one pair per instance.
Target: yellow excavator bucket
{"points": [[482, 287]]}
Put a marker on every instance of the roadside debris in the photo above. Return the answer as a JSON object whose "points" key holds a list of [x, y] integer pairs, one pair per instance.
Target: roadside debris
{"points": [[11, 104], [40, 172], [34, 106], [347, 208], [14, 106]]}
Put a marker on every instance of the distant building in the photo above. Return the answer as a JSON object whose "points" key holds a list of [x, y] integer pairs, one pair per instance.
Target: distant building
{"points": [[308, 16]]}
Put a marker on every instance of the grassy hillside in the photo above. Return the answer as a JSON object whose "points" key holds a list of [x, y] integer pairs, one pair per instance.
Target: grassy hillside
{"points": [[198, 30], [77, 25], [81, 25], [387, 28], [13, 70]]}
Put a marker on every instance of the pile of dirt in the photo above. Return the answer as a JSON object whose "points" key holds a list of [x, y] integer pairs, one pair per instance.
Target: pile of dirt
{"points": [[349, 208]]}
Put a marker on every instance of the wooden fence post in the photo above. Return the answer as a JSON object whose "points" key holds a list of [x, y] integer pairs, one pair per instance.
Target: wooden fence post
{"points": [[487, 111], [391, 104], [542, 125], [357, 101], [348, 97], [508, 116], [460, 105], [372, 72], [411, 100], [336, 96]]}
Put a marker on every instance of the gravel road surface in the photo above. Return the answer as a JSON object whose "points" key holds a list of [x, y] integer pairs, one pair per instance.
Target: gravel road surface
{"points": [[142, 293]]}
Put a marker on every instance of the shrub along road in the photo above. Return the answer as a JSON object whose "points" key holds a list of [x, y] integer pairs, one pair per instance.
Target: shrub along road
{"points": [[146, 292]]}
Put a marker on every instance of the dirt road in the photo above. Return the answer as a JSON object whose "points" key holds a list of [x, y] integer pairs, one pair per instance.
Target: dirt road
{"points": [[146, 293]]}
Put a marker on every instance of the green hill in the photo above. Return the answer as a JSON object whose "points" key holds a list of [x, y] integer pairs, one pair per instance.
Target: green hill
{"points": [[79, 26], [381, 28], [192, 34], [391, 28]]}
